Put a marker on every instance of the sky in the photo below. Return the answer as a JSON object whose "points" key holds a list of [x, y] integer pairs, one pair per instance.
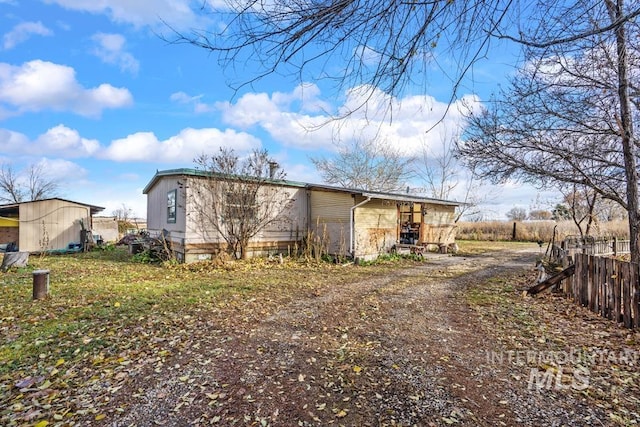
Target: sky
{"points": [[93, 94]]}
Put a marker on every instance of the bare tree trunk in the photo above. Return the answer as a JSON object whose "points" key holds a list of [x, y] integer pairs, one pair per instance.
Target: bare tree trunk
{"points": [[626, 129], [244, 253], [14, 259]]}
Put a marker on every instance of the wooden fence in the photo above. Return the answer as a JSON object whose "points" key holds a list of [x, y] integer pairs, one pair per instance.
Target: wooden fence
{"points": [[591, 246], [606, 286]]}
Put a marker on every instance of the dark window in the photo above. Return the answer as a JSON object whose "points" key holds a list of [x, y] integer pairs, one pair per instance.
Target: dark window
{"points": [[171, 206]]}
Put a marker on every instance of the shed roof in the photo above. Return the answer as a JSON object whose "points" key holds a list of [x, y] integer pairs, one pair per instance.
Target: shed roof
{"points": [[13, 207]]}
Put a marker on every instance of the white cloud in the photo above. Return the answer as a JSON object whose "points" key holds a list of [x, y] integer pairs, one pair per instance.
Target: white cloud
{"points": [[60, 141], [12, 142], [40, 85], [131, 198], [367, 55], [111, 50], [176, 13], [260, 108], [184, 147], [302, 119], [22, 32], [62, 170], [198, 106], [65, 142]]}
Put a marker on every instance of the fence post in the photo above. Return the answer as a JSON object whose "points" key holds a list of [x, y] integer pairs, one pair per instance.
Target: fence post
{"points": [[40, 284], [615, 246]]}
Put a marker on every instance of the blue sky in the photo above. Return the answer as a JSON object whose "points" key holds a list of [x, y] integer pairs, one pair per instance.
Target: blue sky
{"points": [[89, 90]]}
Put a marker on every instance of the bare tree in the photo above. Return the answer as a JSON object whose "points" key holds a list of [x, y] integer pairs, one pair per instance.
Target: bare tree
{"points": [[30, 184], [567, 117], [581, 202], [366, 165], [40, 185], [379, 45], [239, 197], [124, 216], [438, 169], [610, 211], [12, 190], [540, 214], [517, 214], [443, 174]]}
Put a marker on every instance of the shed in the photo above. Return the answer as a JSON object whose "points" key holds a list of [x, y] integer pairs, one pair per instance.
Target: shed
{"points": [[44, 225]]}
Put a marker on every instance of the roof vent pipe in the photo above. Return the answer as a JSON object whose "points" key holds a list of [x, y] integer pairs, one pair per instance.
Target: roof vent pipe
{"points": [[273, 168]]}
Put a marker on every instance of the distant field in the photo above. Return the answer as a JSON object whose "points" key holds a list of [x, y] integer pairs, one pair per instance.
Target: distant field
{"points": [[533, 231]]}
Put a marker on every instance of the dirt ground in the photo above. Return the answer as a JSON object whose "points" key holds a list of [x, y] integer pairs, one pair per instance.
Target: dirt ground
{"points": [[430, 345]]}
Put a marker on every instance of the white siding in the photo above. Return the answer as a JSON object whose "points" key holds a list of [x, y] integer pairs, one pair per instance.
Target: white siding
{"points": [[194, 237], [290, 225], [157, 208]]}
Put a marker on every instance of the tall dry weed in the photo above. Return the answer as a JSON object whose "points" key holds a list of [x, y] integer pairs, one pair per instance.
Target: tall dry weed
{"points": [[532, 231]]}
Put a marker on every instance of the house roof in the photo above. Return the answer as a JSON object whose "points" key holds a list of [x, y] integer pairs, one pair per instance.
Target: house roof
{"points": [[356, 192], [13, 207], [198, 172]]}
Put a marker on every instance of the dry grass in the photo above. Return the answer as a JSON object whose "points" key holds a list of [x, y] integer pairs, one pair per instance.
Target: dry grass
{"points": [[534, 230]]}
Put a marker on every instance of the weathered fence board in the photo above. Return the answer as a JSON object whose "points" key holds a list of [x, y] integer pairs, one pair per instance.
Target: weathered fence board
{"points": [[635, 306], [606, 286]]}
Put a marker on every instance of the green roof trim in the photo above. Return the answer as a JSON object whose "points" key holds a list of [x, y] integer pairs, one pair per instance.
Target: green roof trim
{"points": [[204, 174], [296, 184]]}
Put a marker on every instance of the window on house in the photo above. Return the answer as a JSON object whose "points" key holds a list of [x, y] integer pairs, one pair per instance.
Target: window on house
{"points": [[240, 206], [172, 206]]}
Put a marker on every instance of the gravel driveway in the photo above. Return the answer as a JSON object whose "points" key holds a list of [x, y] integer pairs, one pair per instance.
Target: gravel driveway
{"points": [[407, 348]]}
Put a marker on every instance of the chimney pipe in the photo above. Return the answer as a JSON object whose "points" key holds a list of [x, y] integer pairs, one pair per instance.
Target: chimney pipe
{"points": [[273, 167]]}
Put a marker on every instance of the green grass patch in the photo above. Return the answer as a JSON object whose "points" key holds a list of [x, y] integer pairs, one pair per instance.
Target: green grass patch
{"points": [[97, 299], [479, 247]]}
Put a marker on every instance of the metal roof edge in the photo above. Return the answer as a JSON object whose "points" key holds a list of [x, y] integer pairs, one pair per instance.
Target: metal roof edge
{"points": [[201, 173], [93, 207], [365, 193]]}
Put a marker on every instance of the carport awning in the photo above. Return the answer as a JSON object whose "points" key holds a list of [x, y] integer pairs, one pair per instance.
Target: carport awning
{"points": [[396, 197], [408, 198]]}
